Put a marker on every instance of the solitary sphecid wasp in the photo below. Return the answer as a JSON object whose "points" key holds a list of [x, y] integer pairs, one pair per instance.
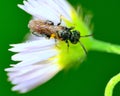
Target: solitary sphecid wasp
{"points": [[63, 33]]}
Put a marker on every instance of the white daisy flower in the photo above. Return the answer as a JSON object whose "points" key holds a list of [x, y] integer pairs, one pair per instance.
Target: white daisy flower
{"points": [[38, 58]]}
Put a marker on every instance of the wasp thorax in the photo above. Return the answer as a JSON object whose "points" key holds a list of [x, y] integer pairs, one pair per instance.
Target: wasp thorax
{"points": [[65, 35]]}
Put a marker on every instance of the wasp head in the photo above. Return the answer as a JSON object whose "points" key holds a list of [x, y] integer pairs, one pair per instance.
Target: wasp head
{"points": [[75, 36]]}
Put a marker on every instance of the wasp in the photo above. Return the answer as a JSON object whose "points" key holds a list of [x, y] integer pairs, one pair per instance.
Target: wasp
{"points": [[49, 29]]}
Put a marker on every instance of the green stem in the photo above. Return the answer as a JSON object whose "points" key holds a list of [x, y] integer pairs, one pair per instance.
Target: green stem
{"points": [[111, 84], [105, 47]]}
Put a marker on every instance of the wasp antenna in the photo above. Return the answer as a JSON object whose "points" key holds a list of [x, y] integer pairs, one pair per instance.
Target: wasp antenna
{"points": [[87, 35], [83, 47], [71, 28]]}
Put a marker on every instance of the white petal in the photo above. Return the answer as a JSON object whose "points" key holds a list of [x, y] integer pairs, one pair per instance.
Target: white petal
{"points": [[34, 60], [42, 54], [47, 9], [24, 70], [31, 77], [33, 45]]}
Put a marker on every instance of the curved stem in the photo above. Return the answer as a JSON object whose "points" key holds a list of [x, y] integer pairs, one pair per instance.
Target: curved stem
{"points": [[111, 84]]}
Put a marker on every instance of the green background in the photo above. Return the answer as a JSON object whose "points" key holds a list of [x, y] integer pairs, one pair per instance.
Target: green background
{"points": [[93, 74]]}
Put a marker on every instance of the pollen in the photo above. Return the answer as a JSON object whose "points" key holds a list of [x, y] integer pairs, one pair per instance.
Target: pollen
{"points": [[52, 36]]}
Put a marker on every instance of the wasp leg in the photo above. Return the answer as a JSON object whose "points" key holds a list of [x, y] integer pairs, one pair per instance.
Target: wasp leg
{"points": [[83, 48], [59, 22], [36, 34], [56, 43], [49, 22], [67, 45]]}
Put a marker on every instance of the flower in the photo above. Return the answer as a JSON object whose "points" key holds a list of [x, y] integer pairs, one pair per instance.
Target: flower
{"points": [[41, 59]]}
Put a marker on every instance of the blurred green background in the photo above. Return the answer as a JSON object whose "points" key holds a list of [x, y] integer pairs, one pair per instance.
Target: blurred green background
{"points": [[93, 74]]}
